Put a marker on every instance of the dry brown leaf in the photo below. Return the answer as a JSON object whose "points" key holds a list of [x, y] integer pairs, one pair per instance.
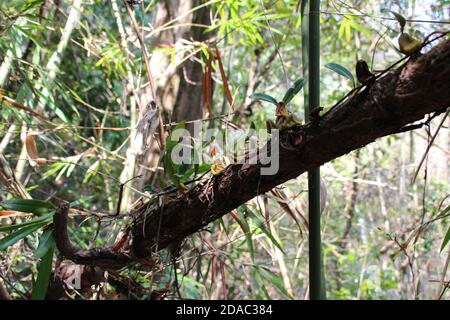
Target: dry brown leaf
{"points": [[33, 154], [12, 213], [224, 79], [207, 85]]}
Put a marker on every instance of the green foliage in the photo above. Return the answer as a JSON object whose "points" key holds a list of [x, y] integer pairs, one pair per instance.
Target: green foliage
{"points": [[177, 173], [443, 213], [40, 221], [341, 70], [264, 97], [247, 232], [288, 96], [38, 207], [15, 236], [261, 225], [273, 279], [46, 242], [446, 239], [44, 270], [400, 19], [292, 92]]}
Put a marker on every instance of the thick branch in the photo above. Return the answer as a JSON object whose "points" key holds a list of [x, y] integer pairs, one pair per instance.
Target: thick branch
{"points": [[401, 97], [105, 258]]}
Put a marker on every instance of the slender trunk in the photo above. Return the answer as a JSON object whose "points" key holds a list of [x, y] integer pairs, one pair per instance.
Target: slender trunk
{"points": [[129, 167], [188, 102], [312, 101]]}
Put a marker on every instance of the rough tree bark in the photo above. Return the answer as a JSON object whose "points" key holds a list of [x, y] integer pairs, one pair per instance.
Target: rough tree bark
{"points": [[399, 98]]}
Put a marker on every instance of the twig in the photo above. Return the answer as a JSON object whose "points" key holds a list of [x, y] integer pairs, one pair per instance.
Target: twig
{"points": [[19, 106], [122, 185], [443, 286], [430, 144], [147, 67], [410, 262]]}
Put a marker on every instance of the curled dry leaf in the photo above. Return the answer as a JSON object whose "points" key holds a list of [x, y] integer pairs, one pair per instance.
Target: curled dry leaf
{"points": [[207, 86], [33, 155], [226, 86]]}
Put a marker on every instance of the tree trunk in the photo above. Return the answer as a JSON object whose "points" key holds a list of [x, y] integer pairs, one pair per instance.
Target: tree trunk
{"points": [[188, 103]]}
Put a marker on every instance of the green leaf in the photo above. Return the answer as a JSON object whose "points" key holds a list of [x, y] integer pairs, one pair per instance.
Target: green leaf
{"points": [[12, 238], [247, 233], [31, 4], [444, 212], [46, 241], [446, 239], [298, 85], [274, 280], [290, 94], [41, 221], [261, 225], [401, 20], [264, 97], [361, 28], [28, 205], [44, 272], [341, 71], [91, 171]]}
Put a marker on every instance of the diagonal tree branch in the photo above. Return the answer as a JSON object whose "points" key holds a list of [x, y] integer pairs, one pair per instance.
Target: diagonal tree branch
{"points": [[401, 97], [105, 258]]}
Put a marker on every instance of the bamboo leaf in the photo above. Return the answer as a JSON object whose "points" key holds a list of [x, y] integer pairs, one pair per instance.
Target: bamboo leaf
{"points": [[46, 241], [275, 280], [41, 221], [28, 205], [446, 239], [12, 213], [263, 97], [12, 238], [91, 171], [444, 212], [261, 225], [246, 229], [44, 272]]}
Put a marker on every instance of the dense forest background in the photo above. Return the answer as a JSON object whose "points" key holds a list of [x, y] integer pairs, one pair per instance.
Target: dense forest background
{"points": [[76, 79]]}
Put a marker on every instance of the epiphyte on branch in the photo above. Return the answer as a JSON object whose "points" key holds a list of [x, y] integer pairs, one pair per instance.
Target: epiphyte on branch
{"points": [[284, 118]]}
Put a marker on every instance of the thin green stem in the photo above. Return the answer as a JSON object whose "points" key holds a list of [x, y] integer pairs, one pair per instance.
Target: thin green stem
{"points": [[311, 65]]}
